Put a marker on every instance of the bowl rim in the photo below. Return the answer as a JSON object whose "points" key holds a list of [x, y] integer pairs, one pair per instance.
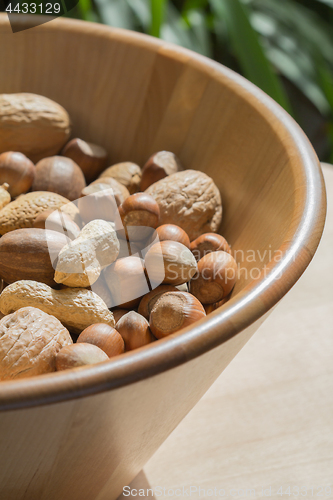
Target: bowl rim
{"points": [[249, 306]]}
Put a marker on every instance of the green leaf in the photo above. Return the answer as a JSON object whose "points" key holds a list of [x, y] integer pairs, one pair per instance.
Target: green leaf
{"points": [[141, 10], [326, 2], [248, 49], [174, 30], [157, 16], [194, 4], [201, 41], [300, 46], [306, 83], [86, 10], [325, 78], [115, 13], [307, 28]]}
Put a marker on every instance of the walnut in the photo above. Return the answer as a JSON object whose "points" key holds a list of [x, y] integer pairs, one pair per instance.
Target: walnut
{"points": [[190, 199], [29, 342]]}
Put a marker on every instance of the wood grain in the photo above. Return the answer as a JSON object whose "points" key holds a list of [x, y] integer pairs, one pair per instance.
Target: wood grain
{"points": [[82, 435]]}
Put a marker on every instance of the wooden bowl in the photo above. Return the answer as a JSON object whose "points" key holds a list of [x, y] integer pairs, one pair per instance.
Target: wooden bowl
{"points": [[85, 433]]}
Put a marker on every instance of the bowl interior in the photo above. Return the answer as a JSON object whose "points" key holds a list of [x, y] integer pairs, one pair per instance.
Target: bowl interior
{"points": [[135, 95]]}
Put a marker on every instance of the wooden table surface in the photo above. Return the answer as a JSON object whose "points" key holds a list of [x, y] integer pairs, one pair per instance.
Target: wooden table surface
{"points": [[267, 422]]}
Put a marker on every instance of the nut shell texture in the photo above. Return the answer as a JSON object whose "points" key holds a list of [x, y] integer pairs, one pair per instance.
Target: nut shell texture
{"points": [[170, 262], [57, 220], [91, 158], [23, 211], [28, 254], [127, 173], [189, 199], [105, 337], [174, 311], [81, 261], [207, 243], [75, 308], [158, 166], [32, 124], [29, 342], [17, 171], [134, 330], [59, 175], [148, 301], [217, 274], [81, 354]]}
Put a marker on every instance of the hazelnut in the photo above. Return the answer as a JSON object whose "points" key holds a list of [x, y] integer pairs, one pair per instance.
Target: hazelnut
{"points": [[147, 302], [17, 171], [100, 205], [59, 175], [120, 191], [141, 210], [105, 337], [207, 243], [101, 289], [126, 281], [174, 311], [100, 200], [75, 355], [135, 330], [169, 262], [171, 232], [127, 248], [59, 221], [158, 166], [217, 272], [92, 159], [127, 173]]}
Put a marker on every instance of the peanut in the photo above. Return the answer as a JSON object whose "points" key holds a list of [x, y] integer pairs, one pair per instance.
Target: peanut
{"points": [[80, 261], [75, 308], [23, 211]]}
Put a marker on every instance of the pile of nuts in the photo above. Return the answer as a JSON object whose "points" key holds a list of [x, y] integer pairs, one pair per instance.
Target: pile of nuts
{"points": [[97, 260]]}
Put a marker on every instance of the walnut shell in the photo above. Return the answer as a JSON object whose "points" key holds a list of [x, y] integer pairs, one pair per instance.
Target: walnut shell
{"points": [[23, 211], [76, 308], [32, 124], [29, 342], [190, 199]]}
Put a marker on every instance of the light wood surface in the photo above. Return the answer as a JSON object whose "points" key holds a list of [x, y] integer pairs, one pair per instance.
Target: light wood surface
{"points": [[83, 434], [267, 420]]}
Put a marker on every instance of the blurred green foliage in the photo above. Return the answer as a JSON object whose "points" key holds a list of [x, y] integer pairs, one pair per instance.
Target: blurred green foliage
{"points": [[273, 43]]}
